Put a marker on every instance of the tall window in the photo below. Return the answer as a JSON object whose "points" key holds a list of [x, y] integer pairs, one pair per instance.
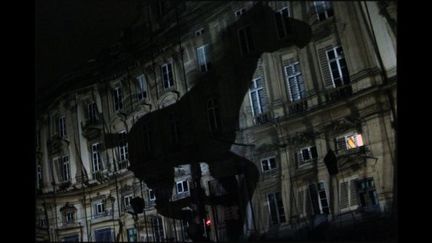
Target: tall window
{"points": [[61, 126], [96, 157], [323, 9], [142, 87], [126, 201], [268, 164], [118, 98], [246, 42], [64, 167], [213, 115], [295, 82], [318, 198], [123, 146], [338, 67], [182, 186], [92, 112], [276, 207], [282, 22], [103, 235], [257, 96], [167, 75], [348, 194], [39, 175], [306, 155], [156, 223], [367, 193], [69, 217], [349, 141], [203, 58]]}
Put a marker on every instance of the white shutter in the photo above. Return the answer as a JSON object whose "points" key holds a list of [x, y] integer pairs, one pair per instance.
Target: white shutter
{"points": [[325, 68]]}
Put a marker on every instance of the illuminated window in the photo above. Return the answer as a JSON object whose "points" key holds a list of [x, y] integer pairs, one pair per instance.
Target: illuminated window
{"points": [[349, 141]]}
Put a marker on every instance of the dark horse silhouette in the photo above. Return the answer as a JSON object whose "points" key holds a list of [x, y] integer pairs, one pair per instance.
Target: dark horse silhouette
{"points": [[201, 126]]}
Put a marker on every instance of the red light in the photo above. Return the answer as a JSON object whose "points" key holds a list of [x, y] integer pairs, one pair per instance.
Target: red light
{"points": [[208, 222]]}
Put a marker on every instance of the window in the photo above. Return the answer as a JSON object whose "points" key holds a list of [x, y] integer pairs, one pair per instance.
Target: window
{"points": [[167, 75], [306, 155], [69, 217], [96, 157], [123, 146], [92, 112], [39, 175], [151, 195], [203, 58], [239, 12], [103, 235], [282, 22], [72, 238], [182, 186], [367, 193], [276, 208], [348, 194], [61, 126], [142, 87], [295, 82], [99, 209], [126, 201], [318, 198], [157, 228], [246, 43], [338, 67], [268, 164], [118, 98], [257, 96], [349, 141], [132, 235], [323, 9], [199, 32], [213, 115], [64, 168]]}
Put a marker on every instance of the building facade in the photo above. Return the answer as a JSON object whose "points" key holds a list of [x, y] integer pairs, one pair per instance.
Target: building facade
{"points": [[318, 122]]}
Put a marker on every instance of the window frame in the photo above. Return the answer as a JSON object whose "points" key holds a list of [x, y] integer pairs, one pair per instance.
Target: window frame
{"points": [[150, 192], [102, 206], [123, 149], [169, 81], [337, 59], [182, 183], [61, 126], [92, 112], [246, 33], [299, 154], [299, 83], [95, 151], [256, 92], [276, 206], [118, 99], [268, 164], [141, 87], [280, 14], [205, 56], [357, 136], [65, 168], [326, 6], [348, 180]]}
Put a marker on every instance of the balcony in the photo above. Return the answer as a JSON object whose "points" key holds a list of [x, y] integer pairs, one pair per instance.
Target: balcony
{"points": [[55, 144], [298, 107], [338, 93], [352, 158], [103, 214], [92, 128]]}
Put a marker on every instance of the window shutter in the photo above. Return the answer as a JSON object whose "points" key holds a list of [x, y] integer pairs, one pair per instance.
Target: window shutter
{"points": [[300, 205], [325, 69], [353, 193], [343, 195], [314, 152]]}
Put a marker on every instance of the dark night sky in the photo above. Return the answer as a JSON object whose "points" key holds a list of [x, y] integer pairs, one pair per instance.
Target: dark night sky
{"points": [[70, 32]]}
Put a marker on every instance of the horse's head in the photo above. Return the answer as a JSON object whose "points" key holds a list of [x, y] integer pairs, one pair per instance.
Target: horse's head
{"points": [[260, 25]]}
